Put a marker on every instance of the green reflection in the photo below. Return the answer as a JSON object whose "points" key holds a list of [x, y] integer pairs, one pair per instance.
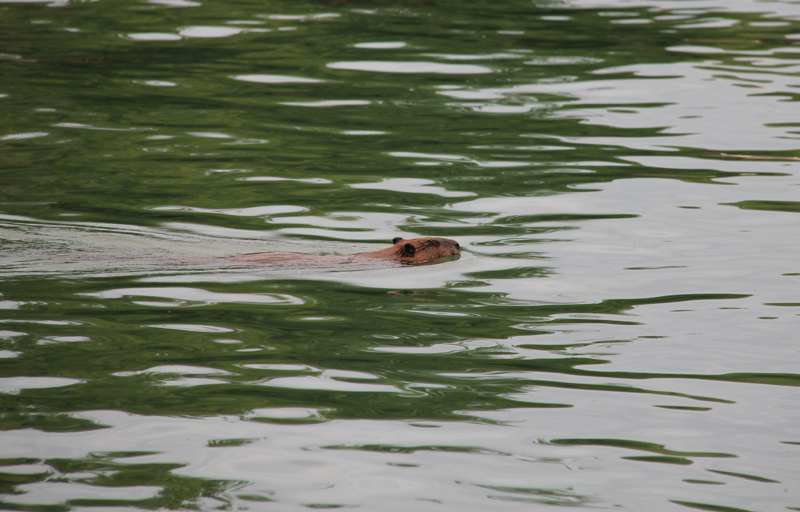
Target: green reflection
{"points": [[638, 445]]}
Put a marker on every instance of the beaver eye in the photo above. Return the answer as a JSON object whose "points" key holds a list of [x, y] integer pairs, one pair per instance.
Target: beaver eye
{"points": [[458, 246]]}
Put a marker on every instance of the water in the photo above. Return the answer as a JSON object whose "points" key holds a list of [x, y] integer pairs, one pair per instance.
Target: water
{"points": [[619, 333]]}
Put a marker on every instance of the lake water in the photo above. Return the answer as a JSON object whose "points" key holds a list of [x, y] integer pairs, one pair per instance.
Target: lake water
{"points": [[620, 332]]}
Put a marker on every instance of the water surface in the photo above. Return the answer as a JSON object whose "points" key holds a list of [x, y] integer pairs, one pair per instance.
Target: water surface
{"points": [[619, 333]]}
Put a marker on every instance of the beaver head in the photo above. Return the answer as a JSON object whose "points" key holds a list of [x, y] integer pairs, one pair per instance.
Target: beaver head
{"points": [[419, 250]]}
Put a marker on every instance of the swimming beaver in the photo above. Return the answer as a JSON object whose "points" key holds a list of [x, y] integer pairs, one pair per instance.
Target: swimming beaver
{"points": [[407, 252]]}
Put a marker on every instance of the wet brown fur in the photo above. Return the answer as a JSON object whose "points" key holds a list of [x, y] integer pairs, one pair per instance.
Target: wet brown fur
{"points": [[409, 252]]}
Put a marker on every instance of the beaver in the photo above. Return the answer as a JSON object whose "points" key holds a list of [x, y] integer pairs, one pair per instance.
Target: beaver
{"points": [[415, 251]]}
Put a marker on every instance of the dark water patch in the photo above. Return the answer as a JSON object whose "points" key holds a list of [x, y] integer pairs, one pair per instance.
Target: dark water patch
{"points": [[222, 443], [774, 206], [702, 482], [746, 477], [661, 459], [684, 408], [710, 507], [558, 497], [413, 449], [636, 445], [15, 418]]}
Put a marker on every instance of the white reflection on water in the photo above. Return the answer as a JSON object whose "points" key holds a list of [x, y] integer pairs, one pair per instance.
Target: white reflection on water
{"points": [[199, 31], [411, 67], [332, 380], [420, 466], [276, 79], [255, 211], [712, 104], [15, 385], [194, 297], [711, 245], [437, 159], [411, 186], [327, 103], [56, 493], [387, 45]]}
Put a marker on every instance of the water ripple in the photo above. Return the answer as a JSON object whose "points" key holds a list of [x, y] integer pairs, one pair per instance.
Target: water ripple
{"points": [[410, 67], [195, 296]]}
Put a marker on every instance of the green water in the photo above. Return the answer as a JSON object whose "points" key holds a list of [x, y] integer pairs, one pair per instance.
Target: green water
{"points": [[620, 331]]}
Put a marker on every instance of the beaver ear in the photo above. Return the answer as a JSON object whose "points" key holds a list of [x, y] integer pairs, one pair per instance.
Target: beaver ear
{"points": [[396, 239], [409, 251]]}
